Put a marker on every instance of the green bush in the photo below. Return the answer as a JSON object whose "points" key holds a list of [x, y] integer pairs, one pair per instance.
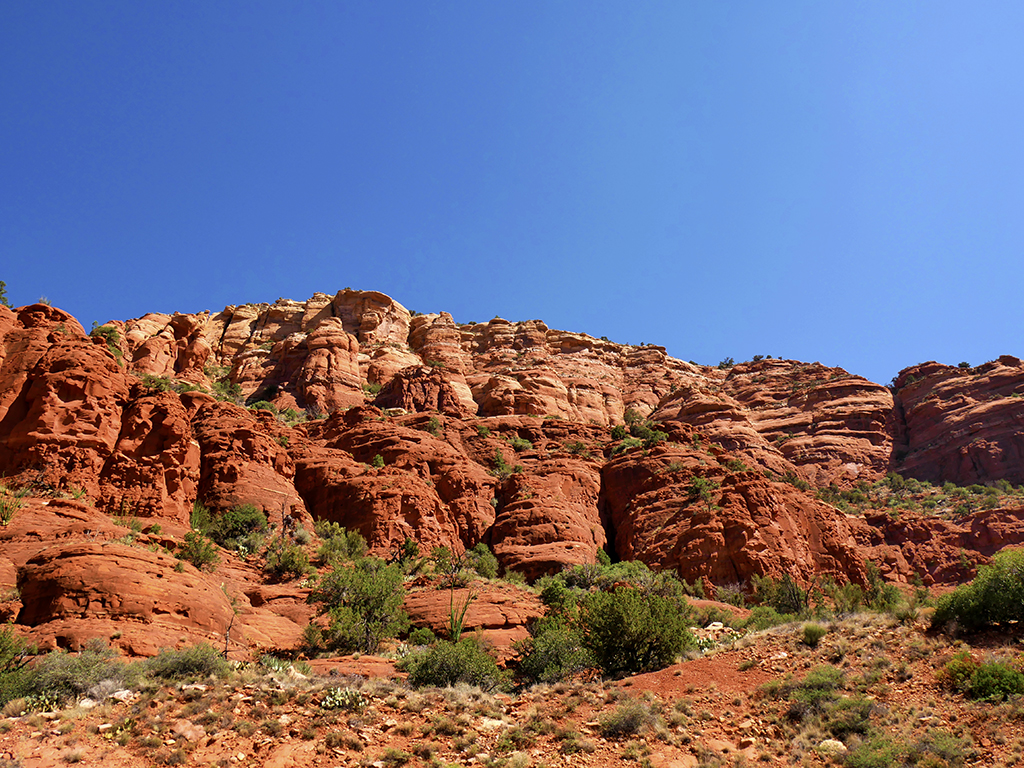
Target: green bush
{"points": [[813, 634], [61, 676], [784, 595], [110, 337], [553, 652], [520, 444], [815, 693], [338, 544], [241, 528], [14, 655], [763, 617], [878, 751], [238, 523], [482, 560], [192, 663], [364, 603], [629, 631], [445, 664], [996, 680], [286, 559], [848, 715], [629, 719], [994, 597], [348, 699], [422, 636], [199, 551]]}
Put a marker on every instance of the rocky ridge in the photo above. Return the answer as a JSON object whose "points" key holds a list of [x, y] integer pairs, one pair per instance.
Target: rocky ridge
{"points": [[495, 432]]}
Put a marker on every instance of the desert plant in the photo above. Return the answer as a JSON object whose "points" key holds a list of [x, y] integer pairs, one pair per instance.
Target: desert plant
{"points": [[445, 664], [994, 597], [482, 560], [60, 675], [813, 634], [628, 719], [553, 652], [348, 699], [286, 559], [338, 544], [110, 337], [10, 503], [199, 551], [364, 603], [194, 662], [629, 631]]}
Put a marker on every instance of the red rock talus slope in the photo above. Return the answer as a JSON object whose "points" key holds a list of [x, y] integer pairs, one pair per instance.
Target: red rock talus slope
{"points": [[414, 426]]}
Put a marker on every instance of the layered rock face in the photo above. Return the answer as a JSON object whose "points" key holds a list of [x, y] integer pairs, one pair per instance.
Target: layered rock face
{"points": [[416, 427], [964, 425]]}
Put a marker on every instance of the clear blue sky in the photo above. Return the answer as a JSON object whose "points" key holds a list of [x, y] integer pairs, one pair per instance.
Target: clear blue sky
{"points": [[841, 182]]}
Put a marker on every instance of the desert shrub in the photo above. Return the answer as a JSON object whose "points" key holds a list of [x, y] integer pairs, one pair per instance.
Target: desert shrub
{"points": [[14, 655], [784, 595], [813, 634], [878, 751], [238, 523], [110, 337], [10, 502], [944, 748], [157, 383], [995, 680], [628, 719], [60, 676], [815, 692], [192, 663], [199, 551], [364, 603], [880, 595], [763, 617], [846, 598], [848, 715], [994, 597], [957, 672], [520, 444], [629, 632], [286, 559], [339, 543], [446, 663], [422, 636], [482, 560], [553, 652], [618, 432], [227, 391]]}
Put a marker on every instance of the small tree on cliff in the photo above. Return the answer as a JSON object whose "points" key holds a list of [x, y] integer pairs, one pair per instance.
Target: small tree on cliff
{"points": [[364, 602], [3, 294]]}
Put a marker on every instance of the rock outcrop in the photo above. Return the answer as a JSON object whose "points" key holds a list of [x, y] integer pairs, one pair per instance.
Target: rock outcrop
{"points": [[963, 425], [404, 426]]}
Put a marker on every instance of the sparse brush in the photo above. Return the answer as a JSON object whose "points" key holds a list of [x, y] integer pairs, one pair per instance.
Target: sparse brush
{"points": [[628, 719]]}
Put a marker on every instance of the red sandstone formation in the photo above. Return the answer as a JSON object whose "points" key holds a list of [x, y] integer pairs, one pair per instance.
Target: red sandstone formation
{"points": [[964, 425], [494, 432]]}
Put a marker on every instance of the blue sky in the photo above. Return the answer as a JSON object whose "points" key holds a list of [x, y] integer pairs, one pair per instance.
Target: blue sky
{"points": [[841, 182]]}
